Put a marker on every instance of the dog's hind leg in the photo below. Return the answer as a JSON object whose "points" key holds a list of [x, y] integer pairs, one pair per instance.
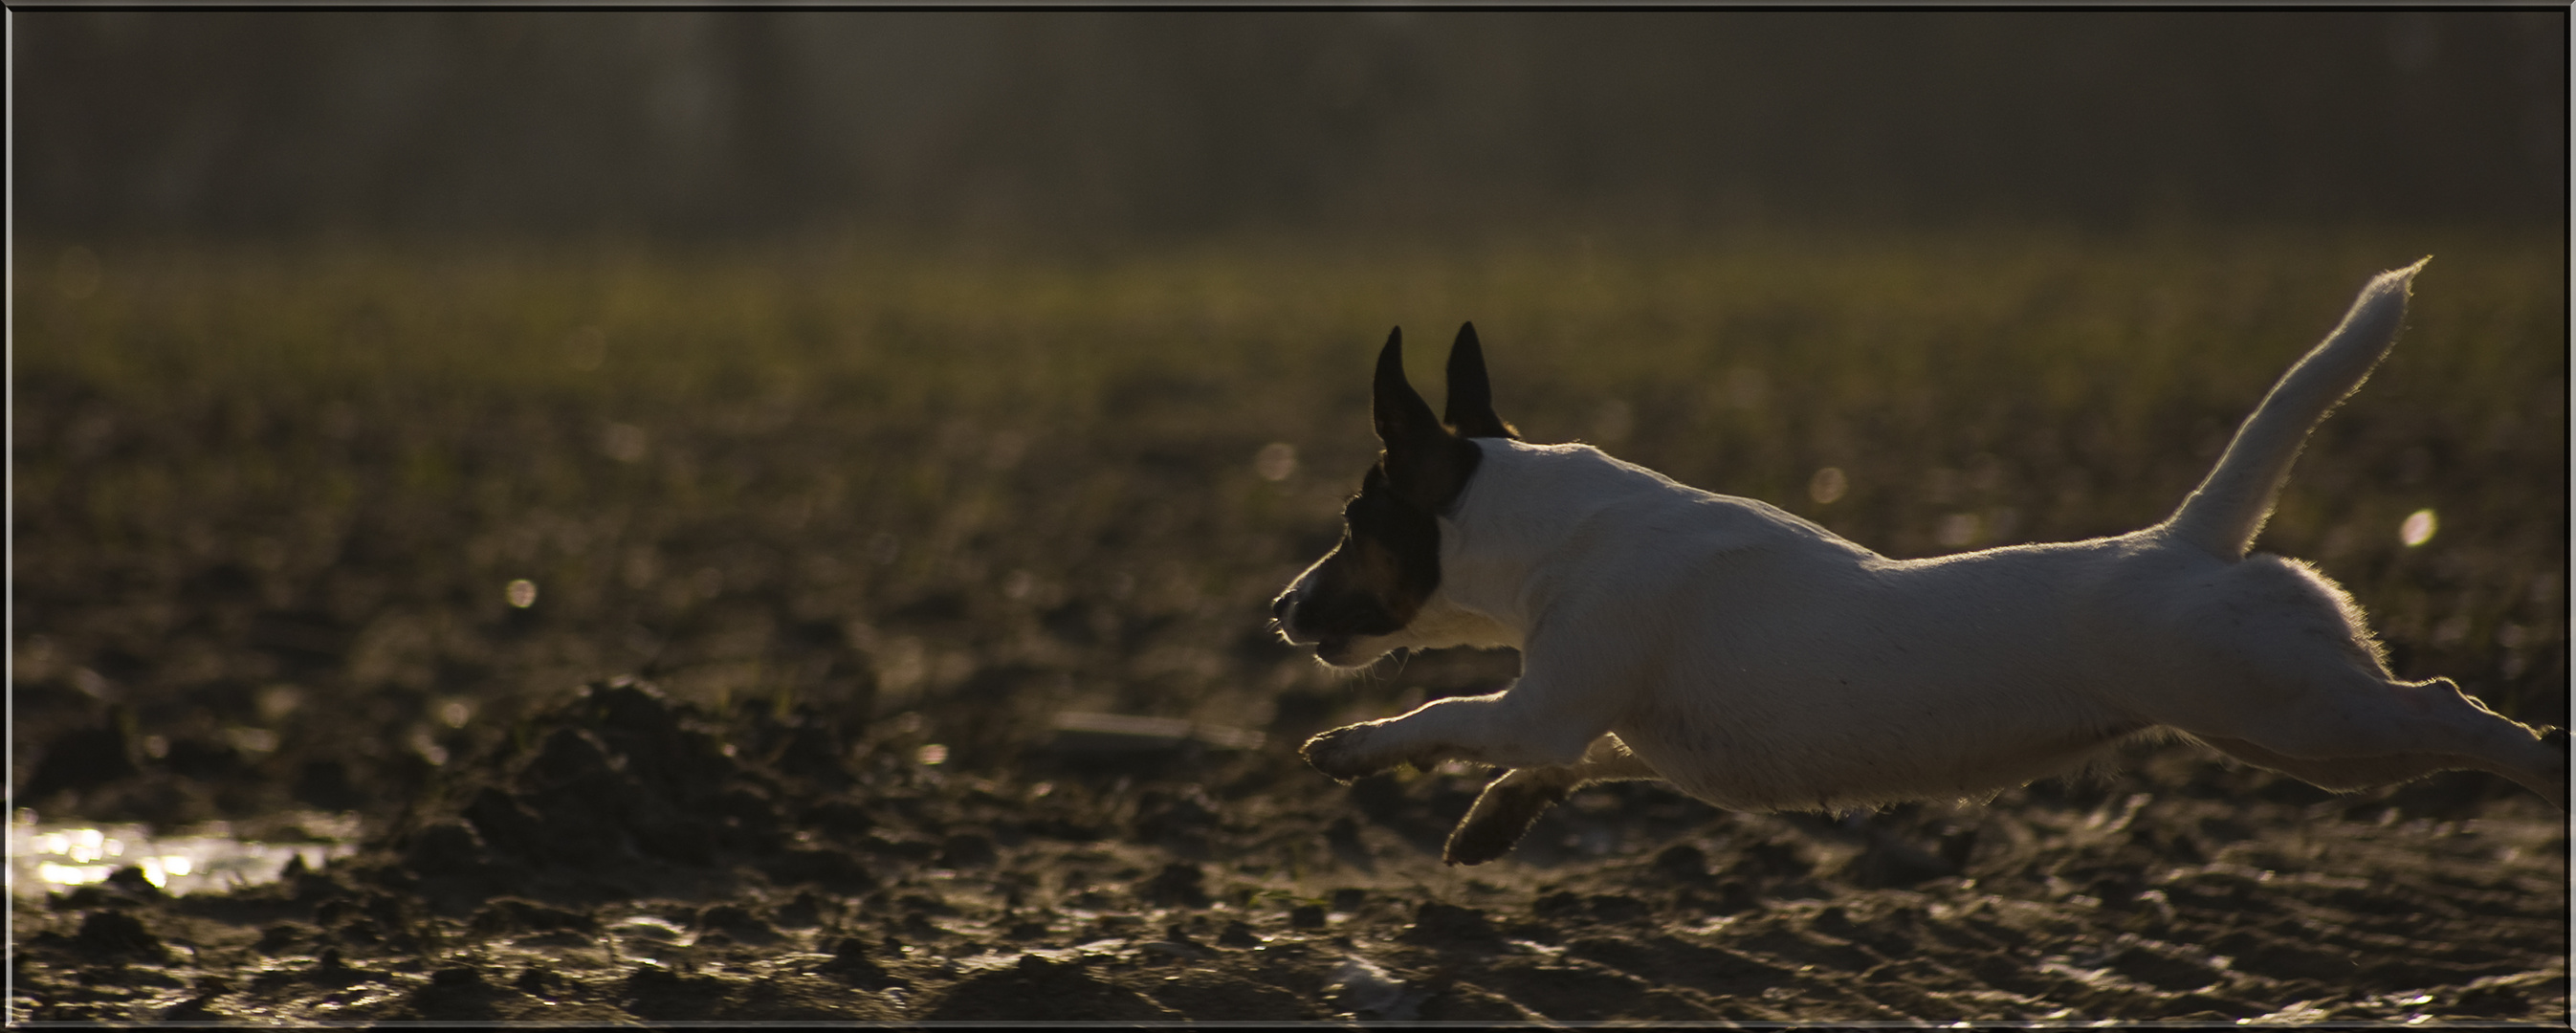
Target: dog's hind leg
{"points": [[2359, 731], [2350, 773], [2276, 666], [1510, 804]]}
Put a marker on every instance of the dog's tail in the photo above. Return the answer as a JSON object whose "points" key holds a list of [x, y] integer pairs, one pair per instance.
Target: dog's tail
{"points": [[2223, 514]]}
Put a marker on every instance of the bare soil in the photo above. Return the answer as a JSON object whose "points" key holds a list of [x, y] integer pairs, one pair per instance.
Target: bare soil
{"points": [[620, 856]]}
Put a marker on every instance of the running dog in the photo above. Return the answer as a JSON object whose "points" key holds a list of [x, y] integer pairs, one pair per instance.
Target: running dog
{"points": [[1759, 662]]}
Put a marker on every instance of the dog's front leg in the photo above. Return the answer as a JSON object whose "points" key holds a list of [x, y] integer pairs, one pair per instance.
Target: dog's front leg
{"points": [[1511, 804], [1532, 724]]}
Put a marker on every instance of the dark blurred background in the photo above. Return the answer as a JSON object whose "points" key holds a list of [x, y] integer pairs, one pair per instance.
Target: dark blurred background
{"points": [[1103, 127]]}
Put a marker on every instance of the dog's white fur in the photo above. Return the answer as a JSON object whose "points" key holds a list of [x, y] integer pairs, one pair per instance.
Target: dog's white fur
{"points": [[1758, 661]]}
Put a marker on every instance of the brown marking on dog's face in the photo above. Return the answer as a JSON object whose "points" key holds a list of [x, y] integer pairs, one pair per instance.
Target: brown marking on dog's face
{"points": [[1371, 584], [1387, 564]]}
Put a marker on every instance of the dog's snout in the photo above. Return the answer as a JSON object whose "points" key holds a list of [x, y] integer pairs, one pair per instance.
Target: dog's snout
{"points": [[1279, 607]]}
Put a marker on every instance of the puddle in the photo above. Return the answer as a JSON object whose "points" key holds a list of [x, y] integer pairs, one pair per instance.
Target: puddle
{"points": [[50, 858]]}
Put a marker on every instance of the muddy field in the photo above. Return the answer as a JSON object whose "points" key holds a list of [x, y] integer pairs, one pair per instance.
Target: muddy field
{"points": [[627, 858], [825, 638]]}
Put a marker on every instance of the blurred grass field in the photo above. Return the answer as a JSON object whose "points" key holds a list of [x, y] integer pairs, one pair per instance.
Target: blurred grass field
{"points": [[271, 501]]}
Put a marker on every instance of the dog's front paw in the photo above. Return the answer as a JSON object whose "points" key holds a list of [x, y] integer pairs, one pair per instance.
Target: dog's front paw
{"points": [[1342, 754]]}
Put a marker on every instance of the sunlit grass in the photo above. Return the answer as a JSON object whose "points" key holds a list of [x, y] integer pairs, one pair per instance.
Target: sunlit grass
{"points": [[1089, 477]]}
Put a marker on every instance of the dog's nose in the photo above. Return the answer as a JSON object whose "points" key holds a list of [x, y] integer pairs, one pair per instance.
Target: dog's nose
{"points": [[1283, 612]]}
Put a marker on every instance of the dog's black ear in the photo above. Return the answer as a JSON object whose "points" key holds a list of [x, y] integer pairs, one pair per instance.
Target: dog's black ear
{"points": [[1471, 396], [1403, 419], [1425, 464]]}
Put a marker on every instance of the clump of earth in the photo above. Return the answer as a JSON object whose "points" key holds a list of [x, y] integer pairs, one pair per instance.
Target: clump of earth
{"points": [[616, 854]]}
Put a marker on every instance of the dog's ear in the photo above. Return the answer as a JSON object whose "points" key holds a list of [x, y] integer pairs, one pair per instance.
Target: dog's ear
{"points": [[1471, 397], [1425, 464], [1403, 419]]}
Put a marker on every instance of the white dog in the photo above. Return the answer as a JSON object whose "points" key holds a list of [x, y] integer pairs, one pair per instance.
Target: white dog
{"points": [[1760, 662]]}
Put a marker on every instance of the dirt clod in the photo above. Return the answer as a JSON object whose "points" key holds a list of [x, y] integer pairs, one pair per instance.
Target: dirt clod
{"points": [[116, 933]]}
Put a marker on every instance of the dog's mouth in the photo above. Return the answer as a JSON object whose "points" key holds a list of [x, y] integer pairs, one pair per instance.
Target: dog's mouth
{"points": [[1333, 650], [1336, 652], [1347, 654], [1339, 647]]}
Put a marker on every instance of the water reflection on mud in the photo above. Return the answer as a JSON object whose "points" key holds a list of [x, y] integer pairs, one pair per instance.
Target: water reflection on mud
{"points": [[53, 857]]}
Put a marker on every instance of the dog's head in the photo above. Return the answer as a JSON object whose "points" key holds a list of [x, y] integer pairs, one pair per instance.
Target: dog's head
{"points": [[1357, 603]]}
